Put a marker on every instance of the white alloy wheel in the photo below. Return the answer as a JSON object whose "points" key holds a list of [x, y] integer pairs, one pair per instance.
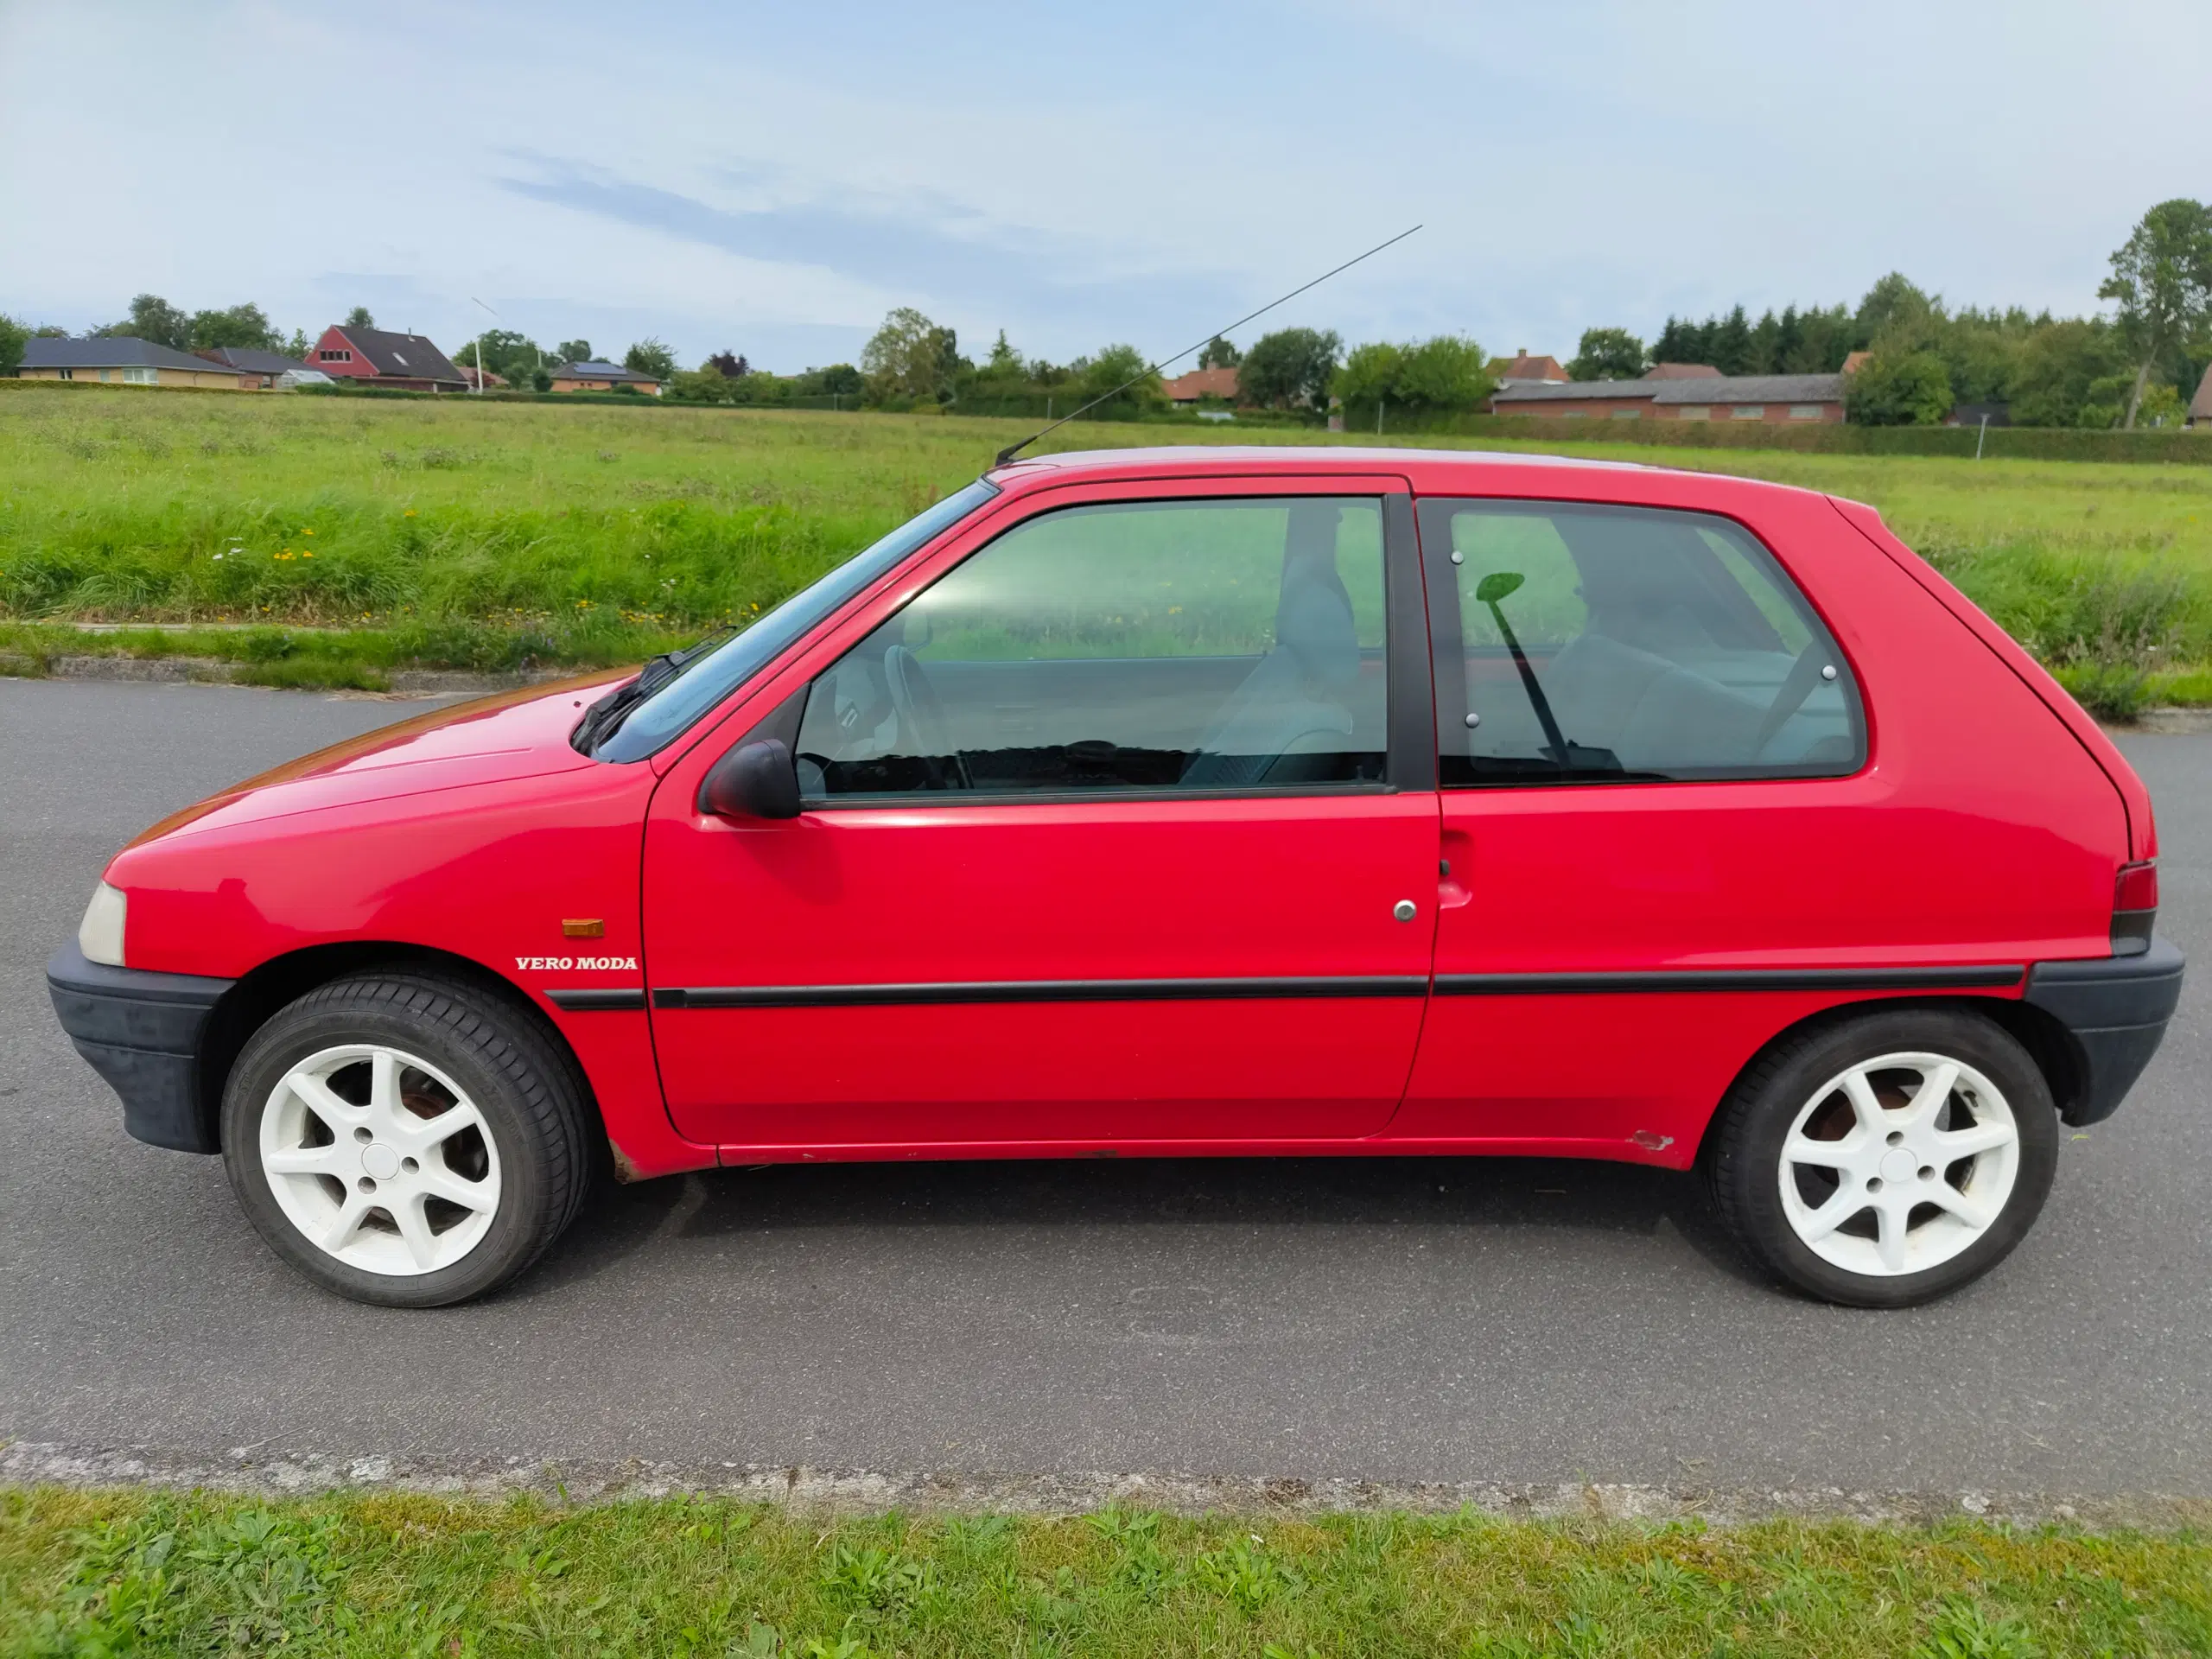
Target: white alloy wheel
{"points": [[380, 1159], [1898, 1163]]}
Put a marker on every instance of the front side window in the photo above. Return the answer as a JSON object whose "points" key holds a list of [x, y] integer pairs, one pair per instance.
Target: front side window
{"points": [[1151, 646], [1593, 643]]}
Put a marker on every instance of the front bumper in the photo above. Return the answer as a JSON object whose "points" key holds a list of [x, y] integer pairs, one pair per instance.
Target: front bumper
{"points": [[141, 1031], [2115, 1010]]}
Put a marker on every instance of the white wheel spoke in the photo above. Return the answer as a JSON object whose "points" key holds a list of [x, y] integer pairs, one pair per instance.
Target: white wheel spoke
{"points": [[414, 1228], [333, 1160], [1982, 1137], [1863, 1106], [319, 1098], [384, 1158], [444, 1183], [1889, 1244], [349, 1217], [1974, 1215], [1819, 1223], [1934, 1089], [1826, 1155]]}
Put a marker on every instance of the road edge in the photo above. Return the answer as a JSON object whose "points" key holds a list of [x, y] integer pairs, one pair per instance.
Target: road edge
{"points": [[260, 1471]]}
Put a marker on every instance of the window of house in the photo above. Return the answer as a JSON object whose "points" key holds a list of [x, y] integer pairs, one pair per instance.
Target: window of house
{"points": [[1597, 644], [140, 377], [1751, 411], [1804, 411], [1153, 646], [1627, 414], [1575, 414], [335, 354], [66, 374], [1696, 412]]}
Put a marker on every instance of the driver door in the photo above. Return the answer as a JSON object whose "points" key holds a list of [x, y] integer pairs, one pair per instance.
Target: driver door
{"points": [[1105, 840]]}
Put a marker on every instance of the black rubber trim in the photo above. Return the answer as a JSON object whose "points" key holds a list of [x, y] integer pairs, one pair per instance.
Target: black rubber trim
{"points": [[2115, 1010], [1036, 990], [1732, 979], [597, 1002], [141, 1031], [1410, 764]]}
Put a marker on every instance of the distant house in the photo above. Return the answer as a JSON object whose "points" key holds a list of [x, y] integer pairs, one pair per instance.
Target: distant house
{"points": [[1681, 371], [1523, 370], [1186, 390], [121, 361], [1851, 361], [594, 376], [2200, 407], [406, 362], [491, 377], [1975, 414], [268, 369], [1777, 399]]}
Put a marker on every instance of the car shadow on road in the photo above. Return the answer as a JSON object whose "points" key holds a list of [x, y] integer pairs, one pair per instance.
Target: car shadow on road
{"points": [[1501, 1194]]}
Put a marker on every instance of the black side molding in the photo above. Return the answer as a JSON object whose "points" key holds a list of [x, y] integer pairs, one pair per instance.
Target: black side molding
{"points": [[2115, 1010], [1734, 979], [597, 1002], [141, 1031], [1032, 990]]}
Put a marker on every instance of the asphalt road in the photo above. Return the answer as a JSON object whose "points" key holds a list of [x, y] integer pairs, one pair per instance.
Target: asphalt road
{"points": [[1396, 1320]]}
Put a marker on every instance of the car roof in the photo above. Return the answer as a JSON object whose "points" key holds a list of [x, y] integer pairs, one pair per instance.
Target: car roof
{"points": [[1431, 472]]}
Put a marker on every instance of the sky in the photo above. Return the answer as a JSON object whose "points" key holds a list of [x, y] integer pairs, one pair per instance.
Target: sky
{"points": [[773, 179]]}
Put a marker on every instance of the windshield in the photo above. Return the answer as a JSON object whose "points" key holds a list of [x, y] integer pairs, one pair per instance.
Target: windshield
{"points": [[669, 711]]}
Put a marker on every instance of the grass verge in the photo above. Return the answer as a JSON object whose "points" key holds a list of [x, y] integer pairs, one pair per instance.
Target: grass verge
{"points": [[117, 1572]]}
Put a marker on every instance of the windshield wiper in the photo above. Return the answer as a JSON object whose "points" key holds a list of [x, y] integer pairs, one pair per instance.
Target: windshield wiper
{"points": [[604, 718]]}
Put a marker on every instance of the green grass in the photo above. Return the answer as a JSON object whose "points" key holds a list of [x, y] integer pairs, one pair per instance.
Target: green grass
{"points": [[114, 1573], [480, 536]]}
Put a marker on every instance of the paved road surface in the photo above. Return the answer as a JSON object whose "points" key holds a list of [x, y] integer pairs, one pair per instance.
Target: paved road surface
{"points": [[1399, 1320]]}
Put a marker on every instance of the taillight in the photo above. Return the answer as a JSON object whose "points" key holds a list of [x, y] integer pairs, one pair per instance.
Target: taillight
{"points": [[2134, 907]]}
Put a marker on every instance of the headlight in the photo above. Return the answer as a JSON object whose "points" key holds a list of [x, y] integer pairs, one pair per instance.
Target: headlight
{"points": [[99, 936]]}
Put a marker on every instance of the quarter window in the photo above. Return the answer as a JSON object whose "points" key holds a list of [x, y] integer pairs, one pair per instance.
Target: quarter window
{"points": [[1158, 646], [1593, 644]]}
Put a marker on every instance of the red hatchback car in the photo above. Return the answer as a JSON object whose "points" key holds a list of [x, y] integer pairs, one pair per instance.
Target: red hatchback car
{"points": [[1173, 802]]}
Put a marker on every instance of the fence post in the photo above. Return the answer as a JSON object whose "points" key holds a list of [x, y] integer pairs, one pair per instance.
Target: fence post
{"points": [[1982, 437]]}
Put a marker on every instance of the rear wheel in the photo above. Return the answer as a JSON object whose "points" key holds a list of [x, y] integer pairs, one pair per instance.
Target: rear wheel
{"points": [[1888, 1158], [405, 1141]]}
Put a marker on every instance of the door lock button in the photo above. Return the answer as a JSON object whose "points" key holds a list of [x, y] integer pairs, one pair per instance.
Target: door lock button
{"points": [[1405, 910]]}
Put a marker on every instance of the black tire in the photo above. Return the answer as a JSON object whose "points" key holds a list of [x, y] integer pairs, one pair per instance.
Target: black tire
{"points": [[528, 1094], [1742, 1152]]}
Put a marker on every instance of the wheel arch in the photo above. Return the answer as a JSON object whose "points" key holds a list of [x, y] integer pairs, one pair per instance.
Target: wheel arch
{"points": [[252, 999], [2055, 1049]]}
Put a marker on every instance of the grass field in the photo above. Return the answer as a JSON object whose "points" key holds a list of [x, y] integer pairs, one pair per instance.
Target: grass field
{"points": [[110, 1573], [448, 533]]}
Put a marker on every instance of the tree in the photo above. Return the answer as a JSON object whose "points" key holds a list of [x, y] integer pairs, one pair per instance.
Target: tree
{"points": [[2162, 281], [911, 357], [728, 364], [1607, 354], [1892, 308], [514, 357], [652, 357], [1218, 353], [1291, 365], [358, 317], [241, 324], [1732, 344], [1910, 390], [155, 319], [1107, 371], [12, 335], [2059, 364], [574, 351]]}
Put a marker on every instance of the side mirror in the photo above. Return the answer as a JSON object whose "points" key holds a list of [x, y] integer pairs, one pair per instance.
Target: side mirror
{"points": [[754, 780]]}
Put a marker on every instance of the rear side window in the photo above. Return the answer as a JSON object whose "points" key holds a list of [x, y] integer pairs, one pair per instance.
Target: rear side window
{"points": [[1596, 644], [1156, 646]]}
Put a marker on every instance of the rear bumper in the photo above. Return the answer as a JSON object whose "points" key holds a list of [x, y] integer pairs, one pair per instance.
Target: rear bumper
{"points": [[2115, 1010], [141, 1031]]}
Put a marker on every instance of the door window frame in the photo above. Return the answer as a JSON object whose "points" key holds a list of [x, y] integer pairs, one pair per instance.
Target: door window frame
{"points": [[775, 700], [1448, 651]]}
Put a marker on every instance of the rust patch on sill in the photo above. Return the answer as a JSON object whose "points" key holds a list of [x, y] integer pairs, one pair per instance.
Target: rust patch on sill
{"points": [[1652, 1140], [625, 1171]]}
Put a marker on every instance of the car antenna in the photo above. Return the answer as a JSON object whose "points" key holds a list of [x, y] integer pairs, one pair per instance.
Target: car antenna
{"points": [[1014, 449]]}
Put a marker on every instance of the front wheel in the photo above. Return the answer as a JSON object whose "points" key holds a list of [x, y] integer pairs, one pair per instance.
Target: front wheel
{"points": [[405, 1141], [1888, 1158]]}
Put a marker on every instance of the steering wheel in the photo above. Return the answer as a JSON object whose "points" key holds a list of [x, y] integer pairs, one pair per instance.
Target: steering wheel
{"points": [[920, 711]]}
